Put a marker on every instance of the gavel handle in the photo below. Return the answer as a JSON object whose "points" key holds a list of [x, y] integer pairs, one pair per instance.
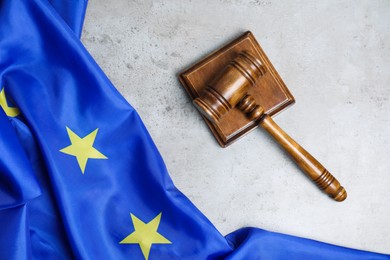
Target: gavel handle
{"points": [[313, 169]]}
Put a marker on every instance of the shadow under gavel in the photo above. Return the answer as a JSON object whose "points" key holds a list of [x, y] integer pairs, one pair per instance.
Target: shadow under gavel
{"points": [[230, 89]]}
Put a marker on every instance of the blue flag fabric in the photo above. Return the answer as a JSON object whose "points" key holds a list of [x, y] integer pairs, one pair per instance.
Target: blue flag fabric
{"points": [[72, 12], [80, 176]]}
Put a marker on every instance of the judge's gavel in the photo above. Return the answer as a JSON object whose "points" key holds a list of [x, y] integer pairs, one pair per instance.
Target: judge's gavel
{"points": [[230, 89]]}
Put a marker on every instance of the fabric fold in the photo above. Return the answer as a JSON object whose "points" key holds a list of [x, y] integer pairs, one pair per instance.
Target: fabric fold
{"points": [[82, 177]]}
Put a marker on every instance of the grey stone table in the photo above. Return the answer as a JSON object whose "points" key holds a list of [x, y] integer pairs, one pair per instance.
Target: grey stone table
{"points": [[333, 55]]}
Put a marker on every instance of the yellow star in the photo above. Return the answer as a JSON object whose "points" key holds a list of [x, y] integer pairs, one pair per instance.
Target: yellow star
{"points": [[82, 148], [9, 111], [145, 234]]}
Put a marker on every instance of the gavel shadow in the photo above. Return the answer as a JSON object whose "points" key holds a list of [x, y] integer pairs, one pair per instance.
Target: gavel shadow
{"points": [[281, 155], [236, 89]]}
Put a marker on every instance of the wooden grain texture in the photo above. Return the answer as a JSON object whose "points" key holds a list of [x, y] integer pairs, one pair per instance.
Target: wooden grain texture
{"points": [[311, 167], [270, 90], [230, 94]]}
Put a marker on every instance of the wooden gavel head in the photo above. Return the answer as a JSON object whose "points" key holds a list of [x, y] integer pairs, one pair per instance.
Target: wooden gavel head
{"points": [[229, 89]]}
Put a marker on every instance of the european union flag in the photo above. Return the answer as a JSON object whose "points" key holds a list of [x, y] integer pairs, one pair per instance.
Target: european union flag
{"points": [[80, 176]]}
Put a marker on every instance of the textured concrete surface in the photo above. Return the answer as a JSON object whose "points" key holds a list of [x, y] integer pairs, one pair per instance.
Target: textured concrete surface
{"points": [[333, 55]]}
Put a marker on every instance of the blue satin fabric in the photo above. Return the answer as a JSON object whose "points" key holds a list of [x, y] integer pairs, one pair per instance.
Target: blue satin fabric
{"points": [[72, 12], [254, 243], [18, 184], [55, 83], [52, 210]]}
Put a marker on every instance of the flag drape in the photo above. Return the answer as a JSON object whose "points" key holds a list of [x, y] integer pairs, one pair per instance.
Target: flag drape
{"points": [[80, 175]]}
